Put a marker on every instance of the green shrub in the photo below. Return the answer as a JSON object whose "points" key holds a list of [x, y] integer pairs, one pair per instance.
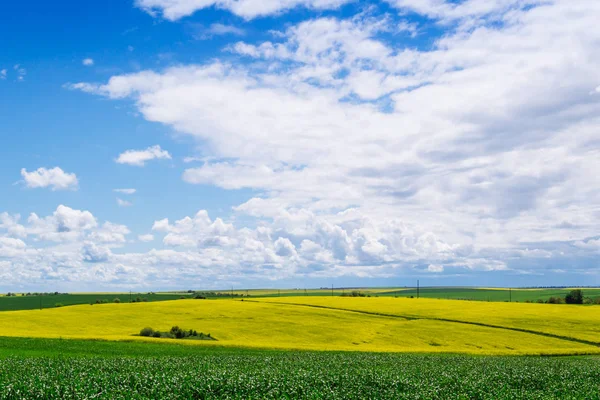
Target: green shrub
{"points": [[555, 300], [117, 300], [147, 332], [59, 305], [574, 297]]}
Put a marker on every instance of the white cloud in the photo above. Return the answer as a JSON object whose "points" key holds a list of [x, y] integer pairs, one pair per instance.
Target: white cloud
{"points": [[3, 73], [221, 29], [21, 72], [124, 203], [88, 62], [55, 178], [146, 238], [435, 268], [125, 191], [216, 29], [248, 9], [452, 156], [139, 158]]}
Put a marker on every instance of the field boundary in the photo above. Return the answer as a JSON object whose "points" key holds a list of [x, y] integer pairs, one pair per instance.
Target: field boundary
{"points": [[409, 318]]}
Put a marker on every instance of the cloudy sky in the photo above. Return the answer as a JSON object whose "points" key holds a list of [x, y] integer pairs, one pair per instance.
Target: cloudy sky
{"points": [[162, 144]]}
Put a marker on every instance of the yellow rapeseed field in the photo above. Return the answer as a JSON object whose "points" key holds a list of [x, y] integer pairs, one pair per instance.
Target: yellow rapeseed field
{"points": [[576, 321], [266, 324]]}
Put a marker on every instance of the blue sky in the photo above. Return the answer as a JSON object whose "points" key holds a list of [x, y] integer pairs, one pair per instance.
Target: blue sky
{"points": [[298, 143]]}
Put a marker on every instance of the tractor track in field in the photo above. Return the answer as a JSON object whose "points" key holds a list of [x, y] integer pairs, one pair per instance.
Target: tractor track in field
{"points": [[413, 318]]}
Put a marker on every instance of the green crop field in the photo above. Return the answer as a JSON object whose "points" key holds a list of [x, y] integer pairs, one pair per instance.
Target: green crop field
{"points": [[487, 294], [71, 369], [20, 302]]}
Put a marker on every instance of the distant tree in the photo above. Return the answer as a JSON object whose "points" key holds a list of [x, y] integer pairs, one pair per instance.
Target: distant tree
{"points": [[147, 332], [574, 297]]}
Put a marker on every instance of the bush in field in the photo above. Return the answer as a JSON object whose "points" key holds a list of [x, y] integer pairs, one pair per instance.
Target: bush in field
{"points": [[555, 300], [175, 333], [116, 300], [59, 305], [354, 293], [574, 297], [147, 332]]}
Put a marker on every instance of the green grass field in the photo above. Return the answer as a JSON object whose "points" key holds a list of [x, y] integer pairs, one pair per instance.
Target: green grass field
{"points": [[72, 369], [19, 302], [485, 294]]}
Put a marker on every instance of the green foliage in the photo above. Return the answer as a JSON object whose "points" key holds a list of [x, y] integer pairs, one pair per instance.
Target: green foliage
{"points": [[59, 305], [555, 300], [147, 332], [146, 371], [116, 300], [176, 333], [574, 297]]}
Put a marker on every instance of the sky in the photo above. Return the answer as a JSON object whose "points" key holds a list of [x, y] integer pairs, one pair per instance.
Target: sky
{"points": [[210, 144]]}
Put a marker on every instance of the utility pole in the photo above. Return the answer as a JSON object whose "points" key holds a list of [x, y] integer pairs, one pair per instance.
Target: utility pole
{"points": [[510, 295], [279, 292], [40, 301], [130, 296], [332, 290], [417, 288], [232, 292], [304, 291]]}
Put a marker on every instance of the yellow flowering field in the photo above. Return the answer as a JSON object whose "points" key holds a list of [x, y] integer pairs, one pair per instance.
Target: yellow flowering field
{"points": [[575, 321], [267, 324]]}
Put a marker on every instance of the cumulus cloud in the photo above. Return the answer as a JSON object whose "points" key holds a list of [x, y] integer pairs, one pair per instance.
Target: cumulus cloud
{"points": [[54, 178], [467, 154], [139, 158], [248, 9], [88, 62]]}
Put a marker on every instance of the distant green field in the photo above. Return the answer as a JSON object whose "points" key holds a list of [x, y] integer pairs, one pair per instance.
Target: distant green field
{"points": [[20, 302], [463, 293], [71, 369]]}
